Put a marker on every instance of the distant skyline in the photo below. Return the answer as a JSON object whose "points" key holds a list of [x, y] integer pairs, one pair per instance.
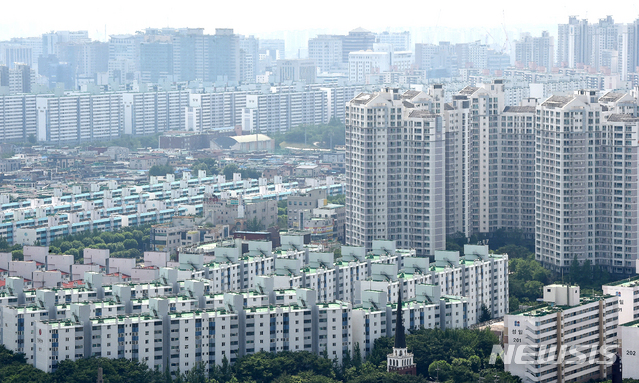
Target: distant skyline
{"points": [[270, 19]]}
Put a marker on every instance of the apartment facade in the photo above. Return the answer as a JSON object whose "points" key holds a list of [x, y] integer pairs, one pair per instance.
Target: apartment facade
{"points": [[561, 169], [195, 313], [550, 335]]}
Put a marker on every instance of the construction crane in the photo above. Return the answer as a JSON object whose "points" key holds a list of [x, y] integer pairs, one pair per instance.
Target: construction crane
{"points": [[507, 41]]}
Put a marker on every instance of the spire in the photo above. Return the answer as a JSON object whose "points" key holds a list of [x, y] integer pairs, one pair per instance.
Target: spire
{"points": [[400, 336]]}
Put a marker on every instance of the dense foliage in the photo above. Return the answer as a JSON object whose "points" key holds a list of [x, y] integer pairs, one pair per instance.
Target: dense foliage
{"points": [[128, 242], [321, 136], [339, 199], [245, 172], [209, 165], [133, 142], [161, 170], [282, 214], [527, 275], [14, 368]]}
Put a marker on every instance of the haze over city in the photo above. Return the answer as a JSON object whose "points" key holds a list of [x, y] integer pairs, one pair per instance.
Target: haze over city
{"points": [[429, 22]]}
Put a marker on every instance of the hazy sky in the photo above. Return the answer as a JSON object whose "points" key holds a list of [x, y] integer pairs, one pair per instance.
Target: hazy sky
{"points": [[260, 17]]}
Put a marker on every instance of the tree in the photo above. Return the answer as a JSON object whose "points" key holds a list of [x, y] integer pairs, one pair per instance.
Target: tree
{"points": [[161, 170], [32, 139], [339, 199], [4, 245], [485, 314], [229, 170], [515, 251], [513, 304], [17, 255], [439, 370], [575, 270], [65, 246], [357, 356], [254, 225], [197, 374], [130, 244], [282, 222]]}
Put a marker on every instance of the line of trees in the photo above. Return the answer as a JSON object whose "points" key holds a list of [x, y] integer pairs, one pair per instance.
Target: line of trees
{"points": [[325, 135], [128, 242]]}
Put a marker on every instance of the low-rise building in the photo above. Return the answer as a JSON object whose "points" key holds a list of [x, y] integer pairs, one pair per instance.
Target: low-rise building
{"points": [[569, 338]]}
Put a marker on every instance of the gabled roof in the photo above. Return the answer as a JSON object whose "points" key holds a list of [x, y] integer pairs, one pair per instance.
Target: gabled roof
{"points": [[363, 98], [611, 97], [618, 117], [469, 90]]}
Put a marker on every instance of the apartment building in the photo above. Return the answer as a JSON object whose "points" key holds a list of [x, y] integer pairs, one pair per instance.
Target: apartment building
{"points": [[550, 336], [279, 112], [627, 290], [326, 52], [377, 196], [410, 156], [64, 118], [587, 210], [362, 63], [561, 169], [534, 52], [19, 117], [294, 299]]}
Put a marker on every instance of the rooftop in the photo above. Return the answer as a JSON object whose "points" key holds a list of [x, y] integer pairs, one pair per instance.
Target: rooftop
{"points": [[519, 109], [551, 308], [469, 90], [622, 118], [422, 114], [628, 282], [557, 101], [363, 98], [611, 97]]}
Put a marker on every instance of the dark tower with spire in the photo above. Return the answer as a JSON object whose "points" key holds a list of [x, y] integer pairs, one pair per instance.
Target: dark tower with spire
{"points": [[400, 361]]}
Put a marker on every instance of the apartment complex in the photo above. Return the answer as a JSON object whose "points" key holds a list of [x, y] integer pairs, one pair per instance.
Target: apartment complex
{"points": [[76, 117], [419, 169], [44, 220], [292, 299]]}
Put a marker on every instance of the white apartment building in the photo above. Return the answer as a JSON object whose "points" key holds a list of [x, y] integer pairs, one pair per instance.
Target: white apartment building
{"points": [[499, 168], [549, 336], [377, 205], [147, 112], [627, 291], [150, 112], [571, 209], [413, 153], [326, 52], [361, 63], [46, 219], [19, 117], [279, 112], [400, 41], [291, 303]]}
